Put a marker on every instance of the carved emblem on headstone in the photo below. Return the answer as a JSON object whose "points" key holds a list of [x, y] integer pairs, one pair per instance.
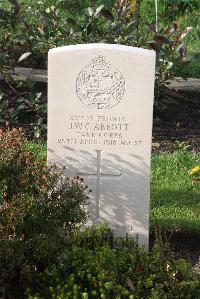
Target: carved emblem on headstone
{"points": [[100, 85]]}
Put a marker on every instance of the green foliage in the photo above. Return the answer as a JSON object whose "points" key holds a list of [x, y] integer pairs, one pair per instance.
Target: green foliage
{"points": [[30, 29], [171, 48], [107, 272], [38, 210], [56, 23], [186, 14]]}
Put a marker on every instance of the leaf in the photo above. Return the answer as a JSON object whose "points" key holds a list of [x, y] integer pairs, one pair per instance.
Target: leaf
{"points": [[24, 56], [37, 132], [179, 47], [186, 31], [173, 29], [169, 66], [89, 29], [183, 51], [161, 39], [173, 43], [130, 284], [175, 26], [90, 11], [98, 10], [38, 96], [1, 94], [152, 44], [48, 10]]}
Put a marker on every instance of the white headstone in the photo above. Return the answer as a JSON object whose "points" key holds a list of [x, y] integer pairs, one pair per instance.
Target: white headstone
{"points": [[100, 107]]}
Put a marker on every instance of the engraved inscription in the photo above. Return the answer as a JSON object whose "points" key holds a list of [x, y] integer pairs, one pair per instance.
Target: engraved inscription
{"points": [[100, 85], [99, 130]]}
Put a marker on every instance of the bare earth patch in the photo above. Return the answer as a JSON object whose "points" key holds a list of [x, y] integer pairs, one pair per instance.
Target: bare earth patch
{"points": [[178, 128]]}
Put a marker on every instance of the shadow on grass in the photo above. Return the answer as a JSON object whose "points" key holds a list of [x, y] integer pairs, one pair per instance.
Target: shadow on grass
{"points": [[176, 209]]}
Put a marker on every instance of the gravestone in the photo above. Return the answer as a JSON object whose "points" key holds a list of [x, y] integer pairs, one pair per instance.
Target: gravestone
{"points": [[100, 106]]}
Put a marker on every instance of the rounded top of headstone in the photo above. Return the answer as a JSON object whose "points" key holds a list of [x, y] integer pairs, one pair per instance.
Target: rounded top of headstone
{"points": [[115, 47]]}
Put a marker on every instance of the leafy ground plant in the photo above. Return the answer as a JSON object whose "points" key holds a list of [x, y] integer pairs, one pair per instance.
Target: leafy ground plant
{"points": [[38, 210], [109, 273]]}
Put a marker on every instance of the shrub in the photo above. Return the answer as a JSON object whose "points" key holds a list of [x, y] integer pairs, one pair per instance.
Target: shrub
{"points": [[108, 272], [38, 210]]}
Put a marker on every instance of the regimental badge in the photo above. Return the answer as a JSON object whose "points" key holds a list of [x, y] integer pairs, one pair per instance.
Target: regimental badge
{"points": [[100, 85]]}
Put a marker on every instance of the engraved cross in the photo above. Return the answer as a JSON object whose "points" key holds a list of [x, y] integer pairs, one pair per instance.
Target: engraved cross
{"points": [[98, 175]]}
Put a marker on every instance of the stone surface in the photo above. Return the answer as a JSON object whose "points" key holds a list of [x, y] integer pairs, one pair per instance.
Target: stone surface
{"points": [[24, 74], [100, 105]]}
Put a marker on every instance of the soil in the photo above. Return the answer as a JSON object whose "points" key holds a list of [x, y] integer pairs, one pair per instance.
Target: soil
{"points": [[177, 128], [187, 246], [183, 245]]}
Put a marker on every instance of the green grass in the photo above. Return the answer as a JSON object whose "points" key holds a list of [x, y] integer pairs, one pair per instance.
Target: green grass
{"points": [[175, 197]]}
